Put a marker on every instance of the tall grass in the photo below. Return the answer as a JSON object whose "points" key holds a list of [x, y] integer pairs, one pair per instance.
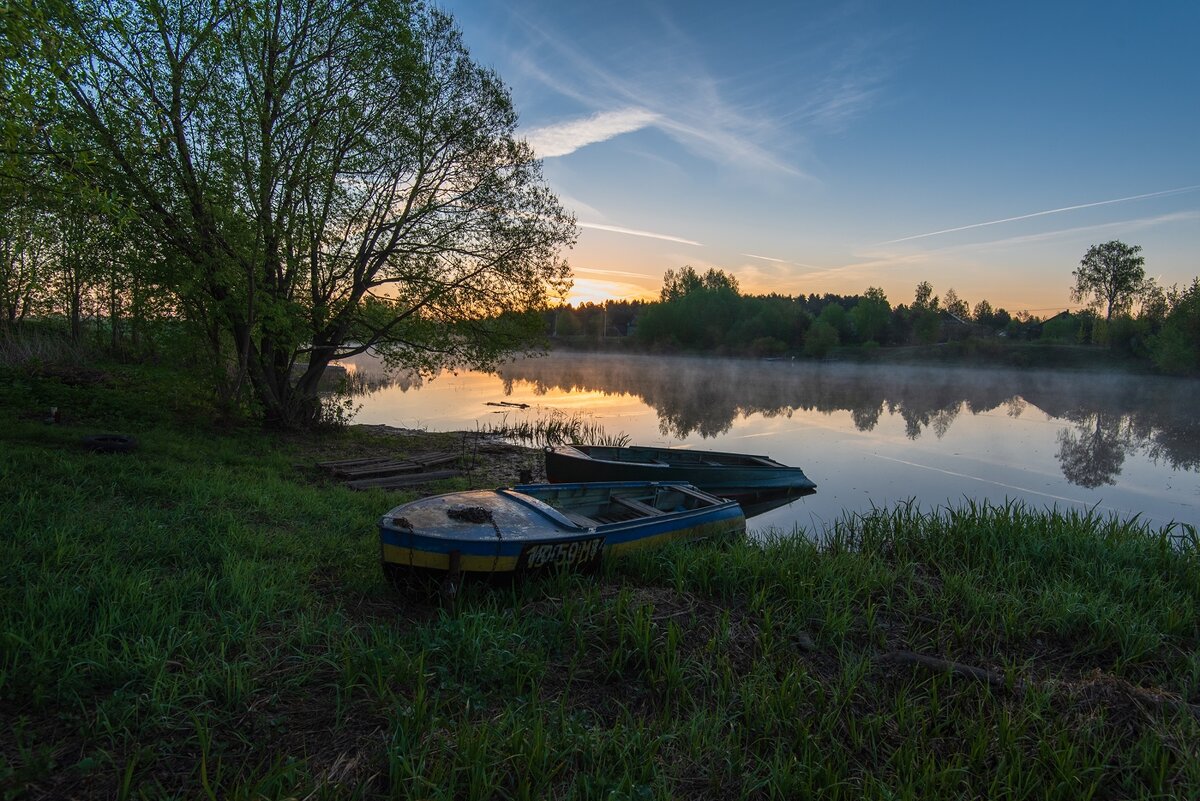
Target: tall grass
{"points": [[554, 428], [196, 621], [38, 349]]}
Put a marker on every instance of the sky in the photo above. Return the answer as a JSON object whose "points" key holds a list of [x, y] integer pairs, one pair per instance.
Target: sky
{"points": [[813, 147]]}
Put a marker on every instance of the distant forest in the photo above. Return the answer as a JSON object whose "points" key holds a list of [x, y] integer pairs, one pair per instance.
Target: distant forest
{"points": [[707, 313]]}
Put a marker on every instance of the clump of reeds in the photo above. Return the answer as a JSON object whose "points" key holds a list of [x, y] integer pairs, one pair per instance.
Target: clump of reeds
{"points": [[554, 428], [33, 350]]}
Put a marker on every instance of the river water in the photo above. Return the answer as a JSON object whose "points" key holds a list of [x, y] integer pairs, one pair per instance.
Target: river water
{"points": [[869, 436]]}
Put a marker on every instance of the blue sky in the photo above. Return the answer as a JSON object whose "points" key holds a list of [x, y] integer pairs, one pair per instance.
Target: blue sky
{"points": [[828, 147]]}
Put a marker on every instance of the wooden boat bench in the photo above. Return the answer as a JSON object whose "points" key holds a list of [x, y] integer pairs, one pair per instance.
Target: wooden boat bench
{"points": [[638, 506], [579, 520]]}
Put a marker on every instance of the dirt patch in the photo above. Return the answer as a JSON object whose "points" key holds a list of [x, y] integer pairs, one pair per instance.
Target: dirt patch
{"points": [[486, 462]]}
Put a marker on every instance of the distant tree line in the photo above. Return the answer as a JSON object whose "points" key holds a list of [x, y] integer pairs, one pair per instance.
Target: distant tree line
{"points": [[707, 313]]}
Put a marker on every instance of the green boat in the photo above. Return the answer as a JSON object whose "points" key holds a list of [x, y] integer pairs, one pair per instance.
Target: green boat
{"points": [[738, 476], [538, 526]]}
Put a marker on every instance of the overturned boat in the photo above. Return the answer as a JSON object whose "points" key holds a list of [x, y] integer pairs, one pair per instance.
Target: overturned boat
{"points": [[539, 526], [729, 475]]}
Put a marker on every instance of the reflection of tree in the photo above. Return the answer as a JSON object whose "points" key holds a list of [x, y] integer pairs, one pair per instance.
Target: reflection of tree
{"points": [[1093, 453], [359, 382], [705, 396], [942, 420], [681, 419], [1177, 444], [866, 417], [1112, 415], [1015, 406], [918, 417]]}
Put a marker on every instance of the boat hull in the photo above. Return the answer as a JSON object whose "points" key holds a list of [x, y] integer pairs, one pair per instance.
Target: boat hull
{"points": [[517, 532], [736, 476]]}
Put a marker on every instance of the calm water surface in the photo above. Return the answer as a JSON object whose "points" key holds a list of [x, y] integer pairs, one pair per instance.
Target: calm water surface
{"points": [[868, 435]]}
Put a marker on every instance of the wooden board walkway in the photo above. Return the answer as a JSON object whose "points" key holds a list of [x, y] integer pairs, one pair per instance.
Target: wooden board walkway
{"points": [[392, 482], [386, 473]]}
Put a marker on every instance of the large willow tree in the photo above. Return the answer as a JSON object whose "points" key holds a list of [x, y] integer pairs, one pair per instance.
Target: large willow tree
{"points": [[322, 177]]}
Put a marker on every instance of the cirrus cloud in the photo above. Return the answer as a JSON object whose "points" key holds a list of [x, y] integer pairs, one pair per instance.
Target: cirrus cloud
{"points": [[566, 137]]}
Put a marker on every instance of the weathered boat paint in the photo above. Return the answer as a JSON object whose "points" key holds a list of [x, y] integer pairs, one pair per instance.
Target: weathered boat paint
{"points": [[728, 475], [525, 530]]}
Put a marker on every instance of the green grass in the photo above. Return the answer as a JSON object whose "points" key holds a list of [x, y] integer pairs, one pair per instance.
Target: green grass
{"points": [[201, 619]]}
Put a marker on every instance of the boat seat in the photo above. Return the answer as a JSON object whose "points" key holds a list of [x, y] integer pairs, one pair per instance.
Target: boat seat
{"points": [[580, 520], [643, 509]]}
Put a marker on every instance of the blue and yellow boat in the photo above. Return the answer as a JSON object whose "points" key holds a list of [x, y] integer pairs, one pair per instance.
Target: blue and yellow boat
{"points": [[539, 526]]}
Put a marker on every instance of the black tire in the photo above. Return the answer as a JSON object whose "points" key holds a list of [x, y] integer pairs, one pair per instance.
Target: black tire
{"points": [[110, 443]]}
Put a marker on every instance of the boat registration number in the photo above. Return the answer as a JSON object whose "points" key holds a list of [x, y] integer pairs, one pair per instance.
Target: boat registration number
{"points": [[560, 554]]}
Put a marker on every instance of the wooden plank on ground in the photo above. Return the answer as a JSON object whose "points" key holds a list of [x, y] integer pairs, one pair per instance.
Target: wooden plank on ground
{"points": [[352, 462], [393, 466], [391, 482], [390, 467], [432, 459]]}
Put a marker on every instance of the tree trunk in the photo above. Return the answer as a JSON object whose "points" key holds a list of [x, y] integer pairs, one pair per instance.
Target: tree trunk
{"points": [[114, 317]]}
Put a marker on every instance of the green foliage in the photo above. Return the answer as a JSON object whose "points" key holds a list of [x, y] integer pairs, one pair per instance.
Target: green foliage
{"points": [[924, 299], [308, 181], [927, 326], [696, 311], [871, 316], [926, 316], [820, 339], [956, 305], [1177, 347], [834, 315], [677, 285], [1061, 328], [1110, 276]]}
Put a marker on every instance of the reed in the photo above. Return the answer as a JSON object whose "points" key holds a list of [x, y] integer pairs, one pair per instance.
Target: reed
{"points": [[551, 428], [34, 350]]}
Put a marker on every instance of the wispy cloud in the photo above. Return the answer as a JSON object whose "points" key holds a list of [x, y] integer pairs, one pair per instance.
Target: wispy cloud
{"points": [[599, 271], [564, 138], [616, 229], [1164, 193], [598, 290], [756, 121], [1119, 225], [874, 262], [788, 262]]}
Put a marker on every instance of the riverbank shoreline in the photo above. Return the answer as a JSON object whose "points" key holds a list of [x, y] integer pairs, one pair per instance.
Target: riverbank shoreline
{"points": [[206, 615]]}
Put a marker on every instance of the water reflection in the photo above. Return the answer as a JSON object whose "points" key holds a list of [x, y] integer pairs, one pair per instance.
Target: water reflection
{"points": [[1107, 417], [767, 501], [1092, 453]]}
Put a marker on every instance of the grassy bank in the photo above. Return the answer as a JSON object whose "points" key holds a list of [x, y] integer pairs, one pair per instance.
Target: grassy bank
{"points": [[201, 618]]}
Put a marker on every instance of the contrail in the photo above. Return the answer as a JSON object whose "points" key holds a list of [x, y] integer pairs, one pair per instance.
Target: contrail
{"points": [[616, 229], [1164, 193]]}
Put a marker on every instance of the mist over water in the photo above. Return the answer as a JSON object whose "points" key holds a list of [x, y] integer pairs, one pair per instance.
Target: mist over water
{"points": [[868, 435]]}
